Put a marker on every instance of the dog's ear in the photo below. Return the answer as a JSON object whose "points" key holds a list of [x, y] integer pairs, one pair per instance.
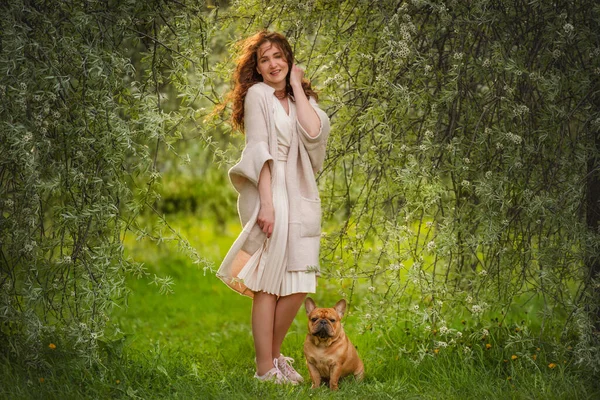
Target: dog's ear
{"points": [[310, 305], [340, 307]]}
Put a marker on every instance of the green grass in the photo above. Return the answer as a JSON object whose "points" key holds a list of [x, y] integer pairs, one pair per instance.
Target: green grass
{"points": [[196, 343]]}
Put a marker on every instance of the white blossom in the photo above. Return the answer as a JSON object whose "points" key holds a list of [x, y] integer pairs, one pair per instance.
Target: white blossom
{"points": [[568, 28], [402, 49]]}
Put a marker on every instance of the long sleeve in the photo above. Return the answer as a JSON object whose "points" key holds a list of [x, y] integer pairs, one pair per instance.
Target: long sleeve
{"points": [[256, 152], [316, 146]]}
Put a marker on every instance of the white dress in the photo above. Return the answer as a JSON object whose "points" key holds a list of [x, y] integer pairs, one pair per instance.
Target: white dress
{"points": [[266, 269]]}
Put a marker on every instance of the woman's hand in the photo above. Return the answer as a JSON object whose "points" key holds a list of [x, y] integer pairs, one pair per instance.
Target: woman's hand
{"points": [[266, 218], [296, 75]]}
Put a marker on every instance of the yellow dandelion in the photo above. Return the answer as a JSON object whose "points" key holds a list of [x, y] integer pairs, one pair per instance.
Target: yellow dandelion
{"points": [[513, 357], [537, 349], [117, 381], [552, 365], [488, 346], [434, 331], [436, 351], [534, 357], [41, 380], [52, 346]]}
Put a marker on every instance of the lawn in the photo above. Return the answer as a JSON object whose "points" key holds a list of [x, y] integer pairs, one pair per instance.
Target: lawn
{"points": [[196, 343]]}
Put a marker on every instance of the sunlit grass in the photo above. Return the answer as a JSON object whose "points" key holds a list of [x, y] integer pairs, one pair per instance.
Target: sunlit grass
{"points": [[197, 343]]}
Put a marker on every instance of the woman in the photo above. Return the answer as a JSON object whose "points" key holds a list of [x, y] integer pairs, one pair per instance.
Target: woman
{"points": [[275, 259]]}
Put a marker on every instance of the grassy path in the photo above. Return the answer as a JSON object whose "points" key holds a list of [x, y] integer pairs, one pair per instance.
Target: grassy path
{"points": [[196, 343], [199, 340]]}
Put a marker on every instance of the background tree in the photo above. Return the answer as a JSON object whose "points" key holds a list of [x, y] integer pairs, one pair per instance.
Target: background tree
{"points": [[84, 111], [460, 181], [463, 147]]}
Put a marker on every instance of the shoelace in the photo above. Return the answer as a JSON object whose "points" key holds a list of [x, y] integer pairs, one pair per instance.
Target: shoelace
{"points": [[287, 361], [278, 372]]}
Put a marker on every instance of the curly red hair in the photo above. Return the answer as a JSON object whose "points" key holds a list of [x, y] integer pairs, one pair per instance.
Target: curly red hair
{"points": [[246, 75]]}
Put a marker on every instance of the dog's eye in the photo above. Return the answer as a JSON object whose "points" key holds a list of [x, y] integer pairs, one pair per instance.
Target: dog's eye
{"points": [[314, 319], [332, 320]]}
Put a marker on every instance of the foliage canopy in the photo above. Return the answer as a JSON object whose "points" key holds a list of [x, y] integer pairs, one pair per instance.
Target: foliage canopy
{"points": [[460, 177]]}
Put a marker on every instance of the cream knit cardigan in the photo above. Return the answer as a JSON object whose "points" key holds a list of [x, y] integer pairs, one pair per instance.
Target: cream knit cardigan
{"points": [[305, 158]]}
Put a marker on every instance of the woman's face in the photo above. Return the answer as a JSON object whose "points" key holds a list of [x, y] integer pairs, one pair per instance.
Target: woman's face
{"points": [[272, 65]]}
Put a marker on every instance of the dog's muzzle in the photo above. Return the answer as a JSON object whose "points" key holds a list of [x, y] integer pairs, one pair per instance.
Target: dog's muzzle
{"points": [[321, 329]]}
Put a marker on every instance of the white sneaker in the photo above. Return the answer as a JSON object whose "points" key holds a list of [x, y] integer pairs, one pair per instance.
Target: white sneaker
{"points": [[285, 365], [273, 375]]}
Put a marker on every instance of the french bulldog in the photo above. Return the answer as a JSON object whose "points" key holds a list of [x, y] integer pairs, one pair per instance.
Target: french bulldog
{"points": [[329, 353]]}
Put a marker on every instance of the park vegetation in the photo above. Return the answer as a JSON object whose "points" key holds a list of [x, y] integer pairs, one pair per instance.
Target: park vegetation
{"points": [[461, 189]]}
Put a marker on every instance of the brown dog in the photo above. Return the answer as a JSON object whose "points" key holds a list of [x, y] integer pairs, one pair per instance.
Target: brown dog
{"points": [[329, 353]]}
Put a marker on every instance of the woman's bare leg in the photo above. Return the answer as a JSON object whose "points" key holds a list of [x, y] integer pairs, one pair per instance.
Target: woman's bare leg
{"points": [[263, 317], [285, 311]]}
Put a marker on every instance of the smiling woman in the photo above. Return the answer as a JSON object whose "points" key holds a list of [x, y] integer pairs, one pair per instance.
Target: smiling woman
{"points": [[273, 67], [275, 260]]}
